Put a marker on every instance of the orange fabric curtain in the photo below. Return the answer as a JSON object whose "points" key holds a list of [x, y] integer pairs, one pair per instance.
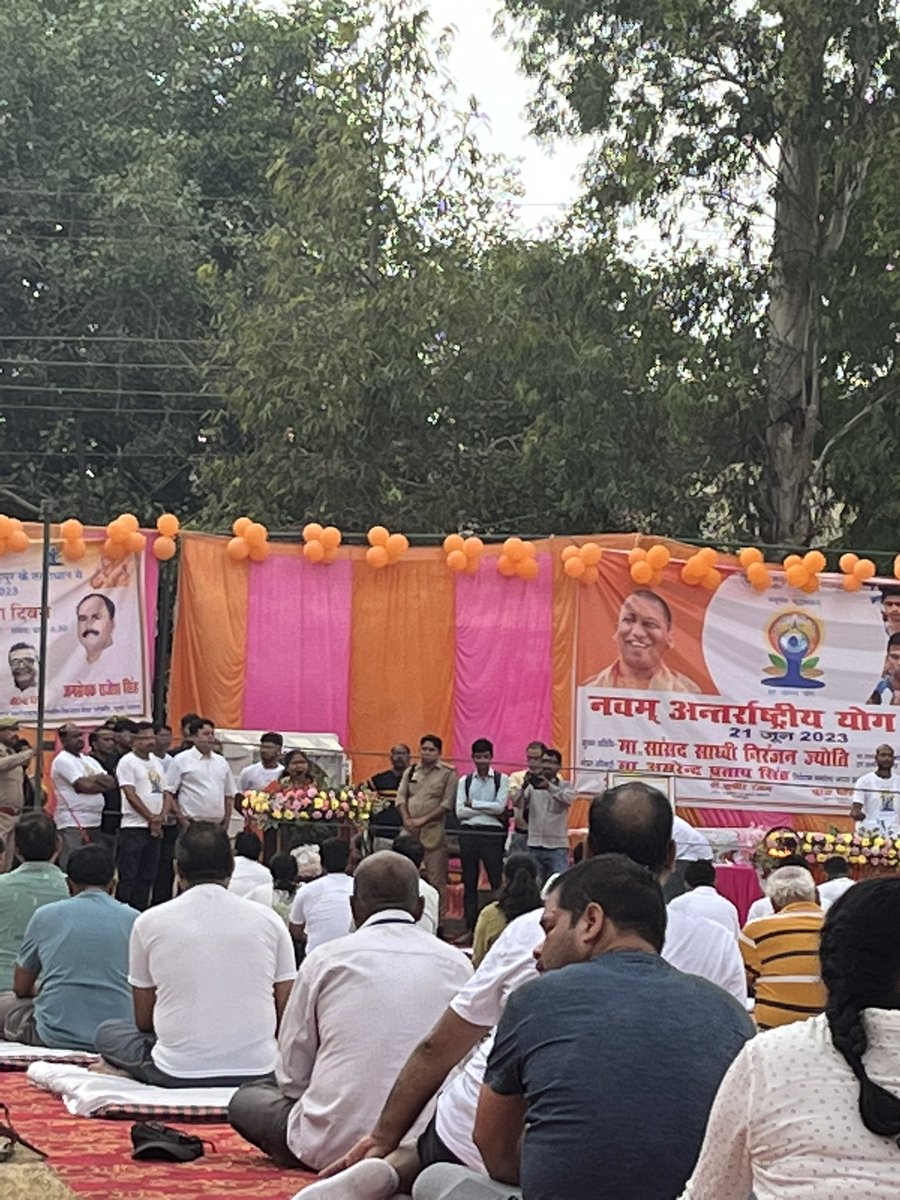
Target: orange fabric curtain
{"points": [[208, 654], [402, 657]]}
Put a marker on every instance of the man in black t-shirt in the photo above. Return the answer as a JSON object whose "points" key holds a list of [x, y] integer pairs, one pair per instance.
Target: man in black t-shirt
{"points": [[387, 823]]}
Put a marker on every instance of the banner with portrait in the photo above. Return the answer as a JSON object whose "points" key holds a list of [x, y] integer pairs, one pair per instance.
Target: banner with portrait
{"points": [[759, 700], [96, 636]]}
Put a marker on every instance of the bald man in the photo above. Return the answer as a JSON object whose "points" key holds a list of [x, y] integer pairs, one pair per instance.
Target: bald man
{"points": [[359, 1006]]}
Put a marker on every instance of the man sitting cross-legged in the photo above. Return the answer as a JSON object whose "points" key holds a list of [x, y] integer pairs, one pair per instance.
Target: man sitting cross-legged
{"points": [[71, 969], [341, 1043], [210, 974]]}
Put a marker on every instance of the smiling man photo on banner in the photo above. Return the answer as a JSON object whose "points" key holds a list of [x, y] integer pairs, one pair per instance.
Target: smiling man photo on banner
{"points": [[643, 635]]}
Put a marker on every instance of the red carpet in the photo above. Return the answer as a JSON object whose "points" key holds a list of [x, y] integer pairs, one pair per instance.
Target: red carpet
{"points": [[93, 1156]]}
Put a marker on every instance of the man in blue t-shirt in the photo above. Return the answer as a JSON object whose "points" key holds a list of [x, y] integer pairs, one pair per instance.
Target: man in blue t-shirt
{"points": [[609, 1063], [71, 972]]}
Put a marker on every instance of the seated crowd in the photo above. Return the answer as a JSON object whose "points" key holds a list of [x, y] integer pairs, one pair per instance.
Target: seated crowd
{"points": [[602, 1046]]}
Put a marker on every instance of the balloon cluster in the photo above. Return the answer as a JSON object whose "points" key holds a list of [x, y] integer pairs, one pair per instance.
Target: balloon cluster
{"points": [[123, 537], [320, 544], [856, 571], [647, 566], [802, 571], [167, 526], [463, 554], [700, 570], [580, 562], [385, 548], [12, 535], [251, 540], [755, 568], [73, 543], [518, 558]]}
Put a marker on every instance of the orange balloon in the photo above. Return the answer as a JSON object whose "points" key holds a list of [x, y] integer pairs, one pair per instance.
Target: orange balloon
{"points": [[641, 572], [377, 536], [707, 556], [658, 557], [528, 567], [811, 585], [114, 550], [514, 548], [331, 553], [847, 562], [397, 545], [377, 556], [897, 567], [748, 556], [792, 560], [312, 532], [4, 547], [168, 524], [137, 543], [656, 578], [129, 522], [851, 583], [636, 555], [574, 567], [6, 526], [256, 535], [693, 570], [164, 548], [314, 552], [331, 537], [756, 572], [473, 546], [259, 551], [591, 553], [457, 561], [71, 530], [16, 523], [240, 527], [73, 550], [711, 579], [454, 541], [591, 575], [814, 560], [237, 549], [116, 531], [472, 565], [506, 566], [574, 552], [864, 569], [530, 549], [18, 541], [760, 584], [797, 575]]}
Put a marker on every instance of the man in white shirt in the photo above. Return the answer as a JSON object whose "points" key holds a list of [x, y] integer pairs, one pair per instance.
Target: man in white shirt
{"points": [[838, 881], [142, 780], [79, 782], [876, 796], [480, 809], [430, 919], [634, 820], [199, 784], [250, 876], [162, 742], [260, 774], [321, 909], [210, 975], [330, 1082], [702, 900]]}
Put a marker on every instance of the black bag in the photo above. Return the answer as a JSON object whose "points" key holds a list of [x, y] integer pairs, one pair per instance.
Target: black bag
{"points": [[153, 1140]]}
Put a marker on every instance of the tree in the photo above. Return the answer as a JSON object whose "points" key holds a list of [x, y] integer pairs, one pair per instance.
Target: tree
{"points": [[749, 110], [134, 147]]}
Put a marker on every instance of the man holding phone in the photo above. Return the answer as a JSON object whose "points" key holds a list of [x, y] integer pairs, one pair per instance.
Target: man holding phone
{"points": [[546, 800]]}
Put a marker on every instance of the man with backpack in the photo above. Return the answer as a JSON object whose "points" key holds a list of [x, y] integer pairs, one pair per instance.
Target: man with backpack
{"points": [[481, 799]]}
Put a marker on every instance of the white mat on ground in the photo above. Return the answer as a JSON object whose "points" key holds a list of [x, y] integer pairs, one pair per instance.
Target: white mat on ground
{"points": [[16, 1056], [92, 1094]]}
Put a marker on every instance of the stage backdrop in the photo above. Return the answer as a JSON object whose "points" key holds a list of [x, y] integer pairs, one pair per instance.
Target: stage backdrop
{"points": [[100, 626], [757, 701]]}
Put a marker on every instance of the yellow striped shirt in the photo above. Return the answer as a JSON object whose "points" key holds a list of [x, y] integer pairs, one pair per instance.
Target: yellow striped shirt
{"points": [[781, 954]]}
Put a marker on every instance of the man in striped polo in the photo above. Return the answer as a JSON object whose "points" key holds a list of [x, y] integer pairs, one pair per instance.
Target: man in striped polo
{"points": [[781, 952]]}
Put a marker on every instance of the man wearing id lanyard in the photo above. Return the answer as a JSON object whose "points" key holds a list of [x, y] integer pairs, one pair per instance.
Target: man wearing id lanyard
{"points": [[79, 782]]}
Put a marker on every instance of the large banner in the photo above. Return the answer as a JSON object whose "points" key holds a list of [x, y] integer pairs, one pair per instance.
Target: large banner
{"points": [[96, 637], [771, 700]]}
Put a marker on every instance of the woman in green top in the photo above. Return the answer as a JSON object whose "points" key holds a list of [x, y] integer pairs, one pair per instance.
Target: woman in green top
{"points": [[519, 893]]}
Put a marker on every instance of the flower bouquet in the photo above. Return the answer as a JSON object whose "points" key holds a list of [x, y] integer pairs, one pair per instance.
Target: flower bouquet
{"points": [[873, 849], [276, 807]]}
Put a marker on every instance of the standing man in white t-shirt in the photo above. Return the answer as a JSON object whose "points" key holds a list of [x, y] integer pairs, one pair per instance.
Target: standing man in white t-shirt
{"points": [[142, 779], [876, 796], [79, 782], [260, 774], [199, 784]]}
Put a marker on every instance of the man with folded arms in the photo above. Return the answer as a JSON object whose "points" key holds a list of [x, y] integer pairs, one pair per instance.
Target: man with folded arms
{"points": [[142, 780], [79, 782], [210, 975], [331, 1082]]}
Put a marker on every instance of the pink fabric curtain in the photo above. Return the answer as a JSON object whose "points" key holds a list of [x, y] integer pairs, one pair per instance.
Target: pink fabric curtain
{"points": [[504, 669], [298, 646]]}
